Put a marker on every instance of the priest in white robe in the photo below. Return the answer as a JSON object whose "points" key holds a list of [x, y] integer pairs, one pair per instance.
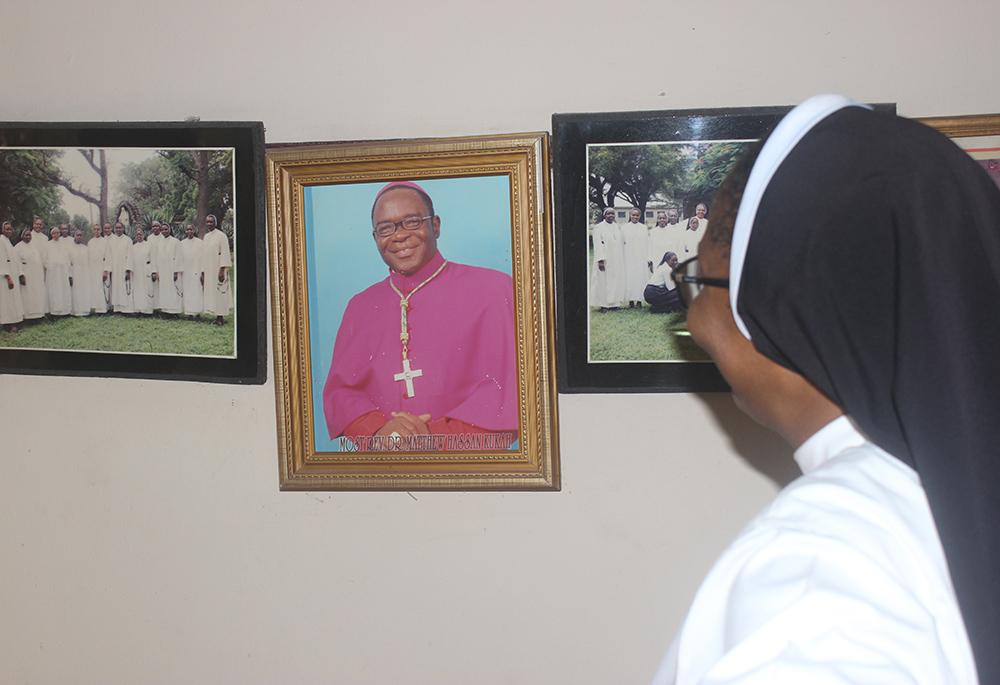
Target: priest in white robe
{"points": [[154, 244], [635, 253], [97, 249], [142, 274], [80, 275], [190, 264], [164, 264], [218, 290], [56, 262], [118, 264]]}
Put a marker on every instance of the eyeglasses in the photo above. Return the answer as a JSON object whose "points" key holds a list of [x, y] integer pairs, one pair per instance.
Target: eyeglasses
{"points": [[689, 285], [385, 229]]}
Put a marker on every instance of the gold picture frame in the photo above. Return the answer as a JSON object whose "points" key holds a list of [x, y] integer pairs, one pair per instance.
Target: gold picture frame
{"points": [[490, 205], [977, 134], [966, 125]]}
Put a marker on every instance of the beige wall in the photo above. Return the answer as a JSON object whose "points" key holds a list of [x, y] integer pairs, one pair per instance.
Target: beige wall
{"points": [[141, 541]]}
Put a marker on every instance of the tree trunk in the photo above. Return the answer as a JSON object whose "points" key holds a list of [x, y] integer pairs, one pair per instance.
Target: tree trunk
{"points": [[102, 169], [201, 166]]}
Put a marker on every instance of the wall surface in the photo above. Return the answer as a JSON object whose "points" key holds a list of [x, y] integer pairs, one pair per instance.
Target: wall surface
{"points": [[143, 535]]}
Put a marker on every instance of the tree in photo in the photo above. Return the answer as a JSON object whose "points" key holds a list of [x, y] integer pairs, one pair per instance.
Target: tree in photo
{"points": [[32, 170], [26, 188], [710, 164], [633, 173], [201, 184]]}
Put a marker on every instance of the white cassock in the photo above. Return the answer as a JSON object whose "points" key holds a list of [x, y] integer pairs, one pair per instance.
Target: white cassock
{"points": [[635, 252], [664, 239], [83, 276], [690, 239], [11, 304], [154, 245], [33, 291], [164, 259], [607, 288], [842, 579], [98, 249], [56, 261], [218, 296], [190, 262], [142, 278], [118, 263]]}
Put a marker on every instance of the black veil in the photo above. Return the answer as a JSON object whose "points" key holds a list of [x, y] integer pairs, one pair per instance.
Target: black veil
{"points": [[873, 269]]}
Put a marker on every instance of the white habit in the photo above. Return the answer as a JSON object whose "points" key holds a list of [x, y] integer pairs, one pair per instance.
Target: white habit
{"points": [[688, 245], [163, 257], [118, 263], [82, 275], [56, 261], [607, 288], [842, 579], [218, 296], [97, 247], [154, 245], [635, 252], [190, 260], [33, 292], [142, 278], [11, 304], [663, 239]]}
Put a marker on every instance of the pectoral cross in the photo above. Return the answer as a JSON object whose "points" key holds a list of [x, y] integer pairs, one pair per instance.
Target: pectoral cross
{"points": [[408, 376]]}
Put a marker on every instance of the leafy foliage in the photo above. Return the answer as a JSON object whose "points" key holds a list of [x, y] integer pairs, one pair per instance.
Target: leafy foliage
{"points": [[25, 191], [710, 166], [675, 174], [634, 173]]}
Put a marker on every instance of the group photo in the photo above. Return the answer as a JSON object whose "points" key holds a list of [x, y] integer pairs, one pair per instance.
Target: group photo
{"points": [[649, 205], [126, 250]]}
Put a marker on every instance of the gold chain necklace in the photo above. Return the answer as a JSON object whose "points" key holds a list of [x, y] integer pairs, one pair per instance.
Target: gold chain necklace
{"points": [[409, 374]]}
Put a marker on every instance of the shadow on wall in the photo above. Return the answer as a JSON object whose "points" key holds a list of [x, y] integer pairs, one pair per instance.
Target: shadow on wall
{"points": [[762, 448]]}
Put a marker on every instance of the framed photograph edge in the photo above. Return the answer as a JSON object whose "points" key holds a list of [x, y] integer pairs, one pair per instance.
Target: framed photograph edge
{"points": [[571, 134], [964, 125], [249, 365], [534, 465]]}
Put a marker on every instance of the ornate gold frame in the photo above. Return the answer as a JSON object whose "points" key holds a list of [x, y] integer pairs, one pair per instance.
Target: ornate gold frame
{"points": [[534, 462], [965, 126]]}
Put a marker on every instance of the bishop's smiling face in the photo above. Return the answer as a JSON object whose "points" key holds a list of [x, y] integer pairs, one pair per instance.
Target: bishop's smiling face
{"points": [[405, 251]]}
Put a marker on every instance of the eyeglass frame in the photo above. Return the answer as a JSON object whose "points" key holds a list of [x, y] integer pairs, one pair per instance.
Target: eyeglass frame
{"points": [[397, 224], [679, 277]]}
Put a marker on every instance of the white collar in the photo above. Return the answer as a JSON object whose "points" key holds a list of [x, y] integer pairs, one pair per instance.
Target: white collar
{"points": [[826, 443]]}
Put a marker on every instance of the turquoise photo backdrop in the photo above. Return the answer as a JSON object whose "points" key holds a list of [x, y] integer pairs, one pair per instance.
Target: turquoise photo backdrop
{"points": [[342, 260]]}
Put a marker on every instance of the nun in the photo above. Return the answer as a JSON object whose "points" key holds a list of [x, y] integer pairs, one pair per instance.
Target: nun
{"points": [[881, 563]]}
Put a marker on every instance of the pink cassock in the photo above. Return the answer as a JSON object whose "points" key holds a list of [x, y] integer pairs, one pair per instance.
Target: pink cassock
{"points": [[461, 340]]}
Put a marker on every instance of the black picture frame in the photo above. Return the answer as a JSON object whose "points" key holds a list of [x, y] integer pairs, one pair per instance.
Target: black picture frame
{"points": [[571, 134], [248, 365]]}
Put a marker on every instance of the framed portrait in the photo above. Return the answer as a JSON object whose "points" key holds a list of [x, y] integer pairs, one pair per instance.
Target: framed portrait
{"points": [[977, 134], [413, 314], [133, 250], [633, 195]]}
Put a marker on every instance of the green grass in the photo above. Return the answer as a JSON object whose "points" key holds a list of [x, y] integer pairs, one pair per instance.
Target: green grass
{"points": [[637, 335], [134, 334]]}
